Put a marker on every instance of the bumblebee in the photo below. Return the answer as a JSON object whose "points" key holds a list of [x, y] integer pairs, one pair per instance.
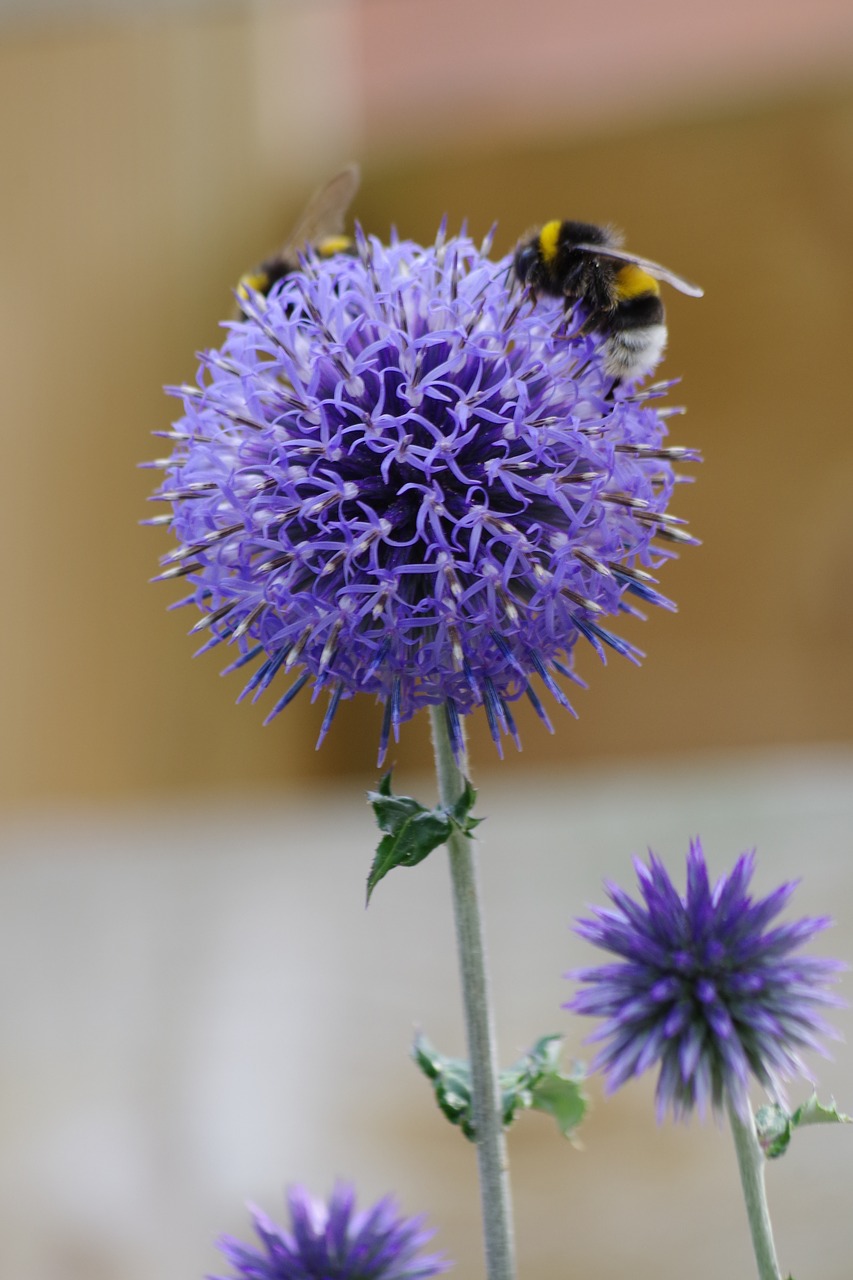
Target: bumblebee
{"points": [[618, 291], [320, 228]]}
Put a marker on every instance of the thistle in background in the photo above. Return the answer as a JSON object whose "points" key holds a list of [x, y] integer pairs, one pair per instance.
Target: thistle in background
{"points": [[333, 1242], [706, 987], [401, 476]]}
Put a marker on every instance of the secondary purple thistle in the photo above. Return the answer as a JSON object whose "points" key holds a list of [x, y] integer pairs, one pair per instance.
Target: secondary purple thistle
{"points": [[704, 986], [333, 1242], [401, 476]]}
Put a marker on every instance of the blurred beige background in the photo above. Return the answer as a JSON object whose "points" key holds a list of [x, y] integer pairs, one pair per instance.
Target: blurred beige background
{"points": [[149, 153]]}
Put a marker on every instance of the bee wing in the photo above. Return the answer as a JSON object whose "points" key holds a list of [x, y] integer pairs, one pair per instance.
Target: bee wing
{"points": [[325, 212], [653, 268]]}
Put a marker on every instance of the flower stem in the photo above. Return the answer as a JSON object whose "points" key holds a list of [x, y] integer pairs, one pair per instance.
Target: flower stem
{"points": [[750, 1159], [479, 1022]]}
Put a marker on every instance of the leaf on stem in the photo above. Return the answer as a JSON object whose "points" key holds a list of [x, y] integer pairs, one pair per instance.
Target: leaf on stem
{"points": [[775, 1126], [412, 830], [533, 1083]]}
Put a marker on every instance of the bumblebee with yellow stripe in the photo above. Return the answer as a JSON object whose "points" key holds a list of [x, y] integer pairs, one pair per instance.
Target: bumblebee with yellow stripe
{"points": [[320, 228], [618, 291]]}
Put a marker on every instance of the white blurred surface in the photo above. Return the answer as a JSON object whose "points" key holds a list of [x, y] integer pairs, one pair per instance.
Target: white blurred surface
{"points": [[197, 1011]]}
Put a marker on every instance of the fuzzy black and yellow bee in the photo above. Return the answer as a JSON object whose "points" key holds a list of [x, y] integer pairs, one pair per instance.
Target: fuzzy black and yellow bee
{"points": [[618, 291], [319, 228]]}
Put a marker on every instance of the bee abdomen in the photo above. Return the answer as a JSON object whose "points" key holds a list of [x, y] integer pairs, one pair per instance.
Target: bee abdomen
{"points": [[636, 313], [329, 246], [634, 346]]}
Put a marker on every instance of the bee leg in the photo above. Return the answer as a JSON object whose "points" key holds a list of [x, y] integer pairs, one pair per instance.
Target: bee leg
{"points": [[580, 369], [595, 321], [564, 329]]}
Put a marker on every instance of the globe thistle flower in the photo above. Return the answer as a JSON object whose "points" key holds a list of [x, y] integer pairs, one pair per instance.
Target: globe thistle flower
{"points": [[401, 475], [704, 987], [333, 1242]]}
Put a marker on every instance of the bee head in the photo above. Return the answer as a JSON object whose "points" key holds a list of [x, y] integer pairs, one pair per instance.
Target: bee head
{"points": [[527, 261]]}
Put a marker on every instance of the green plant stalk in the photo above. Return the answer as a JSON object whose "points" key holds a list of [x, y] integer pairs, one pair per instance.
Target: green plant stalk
{"points": [[751, 1162], [479, 1022]]}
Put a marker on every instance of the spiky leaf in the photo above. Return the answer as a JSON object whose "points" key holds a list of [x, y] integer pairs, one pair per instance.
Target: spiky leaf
{"points": [[412, 830], [534, 1082], [563, 1098], [775, 1126]]}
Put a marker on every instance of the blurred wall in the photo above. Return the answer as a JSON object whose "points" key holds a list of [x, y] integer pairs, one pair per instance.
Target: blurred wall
{"points": [[495, 70], [145, 166]]}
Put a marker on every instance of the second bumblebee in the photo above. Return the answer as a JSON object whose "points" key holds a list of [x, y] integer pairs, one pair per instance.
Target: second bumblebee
{"points": [[319, 229], [618, 291]]}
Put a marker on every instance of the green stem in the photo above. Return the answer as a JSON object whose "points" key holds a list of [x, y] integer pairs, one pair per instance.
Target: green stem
{"points": [[750, 1160], [479, 1024]]}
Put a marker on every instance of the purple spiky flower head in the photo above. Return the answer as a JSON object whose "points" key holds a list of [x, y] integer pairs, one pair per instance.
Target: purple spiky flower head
{"points": [[704, 986], [334, 1242], [402, 475]]}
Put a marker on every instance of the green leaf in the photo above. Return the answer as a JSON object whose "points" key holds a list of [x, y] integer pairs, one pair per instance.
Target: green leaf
{"points": [[461, 811], [814, 1112], [776, 1127], [451, 1079], [534, 1082], [392, 812], [412, 830], [563, 1098], [773, 1126]]}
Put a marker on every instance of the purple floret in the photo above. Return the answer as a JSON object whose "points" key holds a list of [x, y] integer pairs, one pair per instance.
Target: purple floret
{"points": [[333, 1242], [704, 987], [401, 476]]}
